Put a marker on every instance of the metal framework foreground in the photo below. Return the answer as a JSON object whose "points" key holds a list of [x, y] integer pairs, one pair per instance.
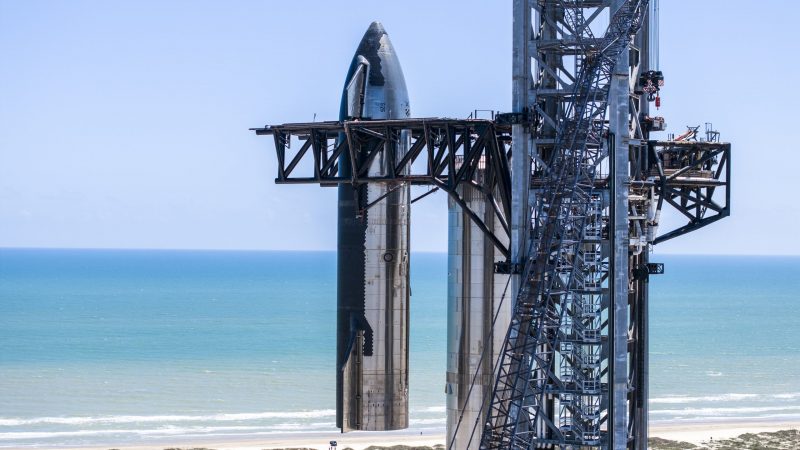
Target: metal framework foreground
{"points": [[443, 153], [691, 177], [575, 368], [555, 384], [580, 201]]}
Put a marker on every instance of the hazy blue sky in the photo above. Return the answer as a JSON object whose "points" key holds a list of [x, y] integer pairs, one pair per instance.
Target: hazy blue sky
{"points": [[124, 124]]}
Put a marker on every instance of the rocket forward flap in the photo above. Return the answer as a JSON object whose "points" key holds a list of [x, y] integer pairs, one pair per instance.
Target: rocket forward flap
{"points": [[357, 89], [357, 323]]}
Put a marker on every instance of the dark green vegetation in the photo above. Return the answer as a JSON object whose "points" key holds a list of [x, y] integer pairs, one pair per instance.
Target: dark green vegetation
{"points": [[778, 440], [405, 447], [666, 444]]}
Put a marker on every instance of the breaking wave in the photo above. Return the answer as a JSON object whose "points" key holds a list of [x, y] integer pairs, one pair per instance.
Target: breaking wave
{"points": [[728, 412], [732, 397], [235, 417]]}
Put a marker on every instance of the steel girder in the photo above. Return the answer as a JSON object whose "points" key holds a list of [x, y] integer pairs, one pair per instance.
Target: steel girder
{"points": [[693, 178], [443, 153]]}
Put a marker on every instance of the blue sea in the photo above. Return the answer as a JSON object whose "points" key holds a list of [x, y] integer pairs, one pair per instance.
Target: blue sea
{"points": [[104, 347]]}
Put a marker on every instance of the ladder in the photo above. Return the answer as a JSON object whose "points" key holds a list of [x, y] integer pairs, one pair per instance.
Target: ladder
{"points": [[553, 320]]}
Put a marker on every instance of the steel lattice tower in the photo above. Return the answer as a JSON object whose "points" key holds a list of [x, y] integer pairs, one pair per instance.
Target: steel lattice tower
{"points": [[573, 312]]}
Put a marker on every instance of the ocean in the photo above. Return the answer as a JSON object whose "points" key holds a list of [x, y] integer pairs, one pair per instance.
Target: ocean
{"points": [[105, 347]]}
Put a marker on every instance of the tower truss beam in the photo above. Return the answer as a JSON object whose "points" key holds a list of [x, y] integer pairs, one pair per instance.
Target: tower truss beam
{"points": [[443, 153]]}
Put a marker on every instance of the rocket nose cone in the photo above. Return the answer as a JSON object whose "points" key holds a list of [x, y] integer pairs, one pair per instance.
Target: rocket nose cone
{"points": [[371, 42], [376, 48], [376, 27], [375, 57]]}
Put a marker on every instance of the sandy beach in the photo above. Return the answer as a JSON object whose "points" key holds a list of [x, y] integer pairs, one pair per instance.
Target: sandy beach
{"points": [[316, 441], [701, 434]]}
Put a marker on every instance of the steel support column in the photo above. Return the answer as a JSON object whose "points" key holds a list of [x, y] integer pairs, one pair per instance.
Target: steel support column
{"points": [[521, 138], [639, 359], [619, 111]]}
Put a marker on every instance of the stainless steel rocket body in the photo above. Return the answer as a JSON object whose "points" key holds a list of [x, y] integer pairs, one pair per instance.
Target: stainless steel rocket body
{"points": [[373, 256], [474, 298]]}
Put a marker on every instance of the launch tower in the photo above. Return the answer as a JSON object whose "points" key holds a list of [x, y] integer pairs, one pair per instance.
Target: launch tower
{"points": [[573, 373], [554, 210]]}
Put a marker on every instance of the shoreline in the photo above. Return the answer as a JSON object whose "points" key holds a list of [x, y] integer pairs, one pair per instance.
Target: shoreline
{"points": [[698, 433], [357, 440]]}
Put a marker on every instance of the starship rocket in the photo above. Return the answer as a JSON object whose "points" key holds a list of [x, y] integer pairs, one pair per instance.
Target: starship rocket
{"points": [[373, 255]]}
